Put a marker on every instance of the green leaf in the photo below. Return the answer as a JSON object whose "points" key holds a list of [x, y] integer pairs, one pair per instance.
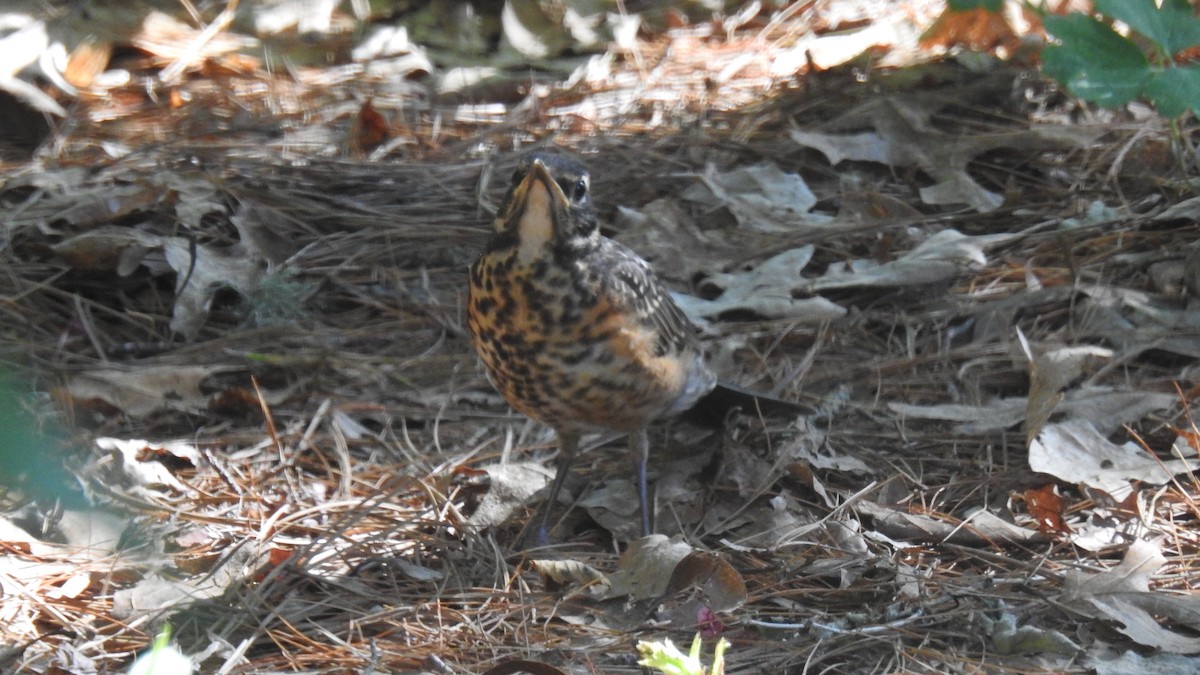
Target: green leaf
{"points": [[964, 5], [1093, 61], [1174, 90], [1174, 27]]}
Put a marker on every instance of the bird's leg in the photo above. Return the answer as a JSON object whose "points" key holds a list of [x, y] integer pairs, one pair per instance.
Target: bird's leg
{"points": [[568, 445], [640, 441]]}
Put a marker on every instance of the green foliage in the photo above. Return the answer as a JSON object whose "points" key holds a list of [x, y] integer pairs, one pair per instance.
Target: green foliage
{"points": [[30, 457], [277, 301], [666, 658], [964, 5], [162, 658], [1098, 64]]}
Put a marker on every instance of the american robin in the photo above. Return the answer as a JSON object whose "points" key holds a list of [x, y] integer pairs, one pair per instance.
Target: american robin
{"points": [[574, 329]]}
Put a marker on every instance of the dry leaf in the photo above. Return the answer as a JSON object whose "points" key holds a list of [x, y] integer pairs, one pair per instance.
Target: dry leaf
{"points": [[946, 255], [141, 390], [761, 197], [88, 59], [664, 233], [1050, 371], [766, 291], [981, 527], [1122, 595], [202, 270], [645, 570], [108, 249], [977, 29], [1008, 638], [1075, 452], [1046, 507], [512, 485], [721, 586], [1105, 661], [613, 504], [904, 136], [1109, 410], [369, 130], [573, 574]]}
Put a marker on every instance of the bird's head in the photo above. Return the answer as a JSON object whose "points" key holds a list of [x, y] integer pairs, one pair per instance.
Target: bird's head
{"points": [[549, 207]]}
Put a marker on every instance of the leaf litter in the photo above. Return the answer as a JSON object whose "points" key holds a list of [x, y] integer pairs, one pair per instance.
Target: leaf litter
{"points": [[272, 299]]}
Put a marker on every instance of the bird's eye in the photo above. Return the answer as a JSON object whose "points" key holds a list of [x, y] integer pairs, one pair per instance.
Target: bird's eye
{"points": [[580, 190]]}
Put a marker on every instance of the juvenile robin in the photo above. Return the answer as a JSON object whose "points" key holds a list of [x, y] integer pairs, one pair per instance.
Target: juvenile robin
{"points": [[574, 329]]}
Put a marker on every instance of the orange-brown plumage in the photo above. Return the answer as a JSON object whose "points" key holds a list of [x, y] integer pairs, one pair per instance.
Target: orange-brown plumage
{"points": [[573, 328]]}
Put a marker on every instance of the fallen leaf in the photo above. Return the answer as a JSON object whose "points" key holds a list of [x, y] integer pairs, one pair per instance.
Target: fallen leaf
{"points": [[721, 586], [108, 249], [140, 461], [1046, 507], [977, 29], [1108, 409], [517, 666], [528, 29], [511, 486], [1104, 661], [369, 130], [140, 390], [1052, 369], [1075, 452], [201, 271], [614, 505], [761, 197], [1122, 595], [945, 255], [980, 527], [573, 574], [765, 291], [71, 588], [644, 571], [89, 58], [664, 233], [904, 136]]}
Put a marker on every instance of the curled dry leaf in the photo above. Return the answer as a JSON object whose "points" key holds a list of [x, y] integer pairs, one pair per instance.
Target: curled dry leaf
{"points": [[614, 505], [1046, 506], [664, 233], [573, 574], [1105, 660], [155, 594], [1136, 321], [108, 249], [1009, 638]]}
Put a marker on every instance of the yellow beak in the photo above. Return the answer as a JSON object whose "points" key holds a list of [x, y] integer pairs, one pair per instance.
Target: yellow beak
{"points": [[539, 207]]}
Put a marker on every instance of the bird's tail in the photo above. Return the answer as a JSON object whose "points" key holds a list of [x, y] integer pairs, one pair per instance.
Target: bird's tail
{"points": [[713, 409]]}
